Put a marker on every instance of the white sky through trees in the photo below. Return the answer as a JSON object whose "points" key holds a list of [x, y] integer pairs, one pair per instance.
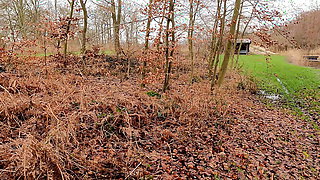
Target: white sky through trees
{"points": [[288, 7], [291, 8]]}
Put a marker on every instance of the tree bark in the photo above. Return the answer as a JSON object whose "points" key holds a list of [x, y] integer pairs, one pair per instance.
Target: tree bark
{"points": [[146, 43], [214, 39], [219, 46], [229, 48], [169, 51], [192, 16], [68, 27], [85, 26], [116, 19]]}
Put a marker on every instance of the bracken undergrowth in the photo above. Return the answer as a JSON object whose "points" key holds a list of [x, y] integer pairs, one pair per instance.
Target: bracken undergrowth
{"points": [[93, 122]]}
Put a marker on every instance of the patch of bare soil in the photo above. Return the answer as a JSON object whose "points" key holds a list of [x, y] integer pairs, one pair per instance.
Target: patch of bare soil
{"points": [[72, 123]]}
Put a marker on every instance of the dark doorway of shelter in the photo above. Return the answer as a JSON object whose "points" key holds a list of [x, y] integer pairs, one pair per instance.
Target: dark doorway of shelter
{"points": [[243, 46]]}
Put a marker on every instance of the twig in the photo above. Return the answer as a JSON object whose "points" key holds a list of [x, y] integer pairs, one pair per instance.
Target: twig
{"points": [[170, 150], [133, 170], [5, 90], [4, 170]]}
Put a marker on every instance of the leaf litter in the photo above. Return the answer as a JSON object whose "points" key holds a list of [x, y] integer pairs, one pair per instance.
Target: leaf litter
{"points": [[59, 124]]}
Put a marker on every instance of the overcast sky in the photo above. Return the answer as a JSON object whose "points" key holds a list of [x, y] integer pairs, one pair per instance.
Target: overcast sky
{"points": [[291, 7]]}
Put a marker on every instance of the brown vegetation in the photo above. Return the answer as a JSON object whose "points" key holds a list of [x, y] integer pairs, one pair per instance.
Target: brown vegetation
{"points": [[138, 115], [71, 124]]}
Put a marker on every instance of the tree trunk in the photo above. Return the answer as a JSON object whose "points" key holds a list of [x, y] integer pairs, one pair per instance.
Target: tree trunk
{"points": [[85, 26], [116, 19], [168, 53], [146, 43], [158, 38], [236, 38], [219, 45], [214, 41], [68, 27], [56, 9], [230, 40], [245, 29], [192, 16]]}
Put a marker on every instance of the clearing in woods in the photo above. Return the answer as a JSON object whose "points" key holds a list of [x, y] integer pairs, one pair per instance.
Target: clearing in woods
{"points": [[297, 87]]}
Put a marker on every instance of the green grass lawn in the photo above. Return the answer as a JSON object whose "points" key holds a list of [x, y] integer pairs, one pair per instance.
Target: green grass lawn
{"points": [[294, 78], [42, 54], [302, 83], [108, 52]]}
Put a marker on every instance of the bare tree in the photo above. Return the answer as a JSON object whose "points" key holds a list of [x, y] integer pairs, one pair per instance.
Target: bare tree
{"points": [[72, 4], [85, 25], [169, 50], [192, 17], [230, 40], [116, 19], [146, 44], [214, 38]]}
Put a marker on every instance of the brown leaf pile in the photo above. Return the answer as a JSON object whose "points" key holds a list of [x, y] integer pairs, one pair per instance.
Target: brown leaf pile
{"points": [[58, 124]]}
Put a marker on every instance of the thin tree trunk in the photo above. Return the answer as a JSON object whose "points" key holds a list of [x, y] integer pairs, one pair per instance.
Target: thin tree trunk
{"points": [[146, 43], [158, 38], [219, 45], [214, 45], [227, 54], [85, 26], [56, 9], [192, 16], [170, 18], [116, 18], [68, 27], [236, 38]]}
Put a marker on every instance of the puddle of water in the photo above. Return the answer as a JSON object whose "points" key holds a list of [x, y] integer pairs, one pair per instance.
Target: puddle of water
{"points": [[273, 97], [283, 86]]}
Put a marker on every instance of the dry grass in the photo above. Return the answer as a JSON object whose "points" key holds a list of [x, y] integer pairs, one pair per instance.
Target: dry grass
{"points": [[295, 56]]}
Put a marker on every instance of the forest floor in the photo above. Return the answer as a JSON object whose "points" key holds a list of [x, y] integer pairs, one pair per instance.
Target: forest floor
{"points": [[96, 123]]}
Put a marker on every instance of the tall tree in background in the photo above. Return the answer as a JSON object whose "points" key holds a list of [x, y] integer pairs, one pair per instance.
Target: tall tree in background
{"points": [[19, 7], [85, 26], [116, 19], [192, 17], [56, 9], [146, 43], [215, 36], [72, 4], [230, 41], [147, 37], [169, 50]]}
